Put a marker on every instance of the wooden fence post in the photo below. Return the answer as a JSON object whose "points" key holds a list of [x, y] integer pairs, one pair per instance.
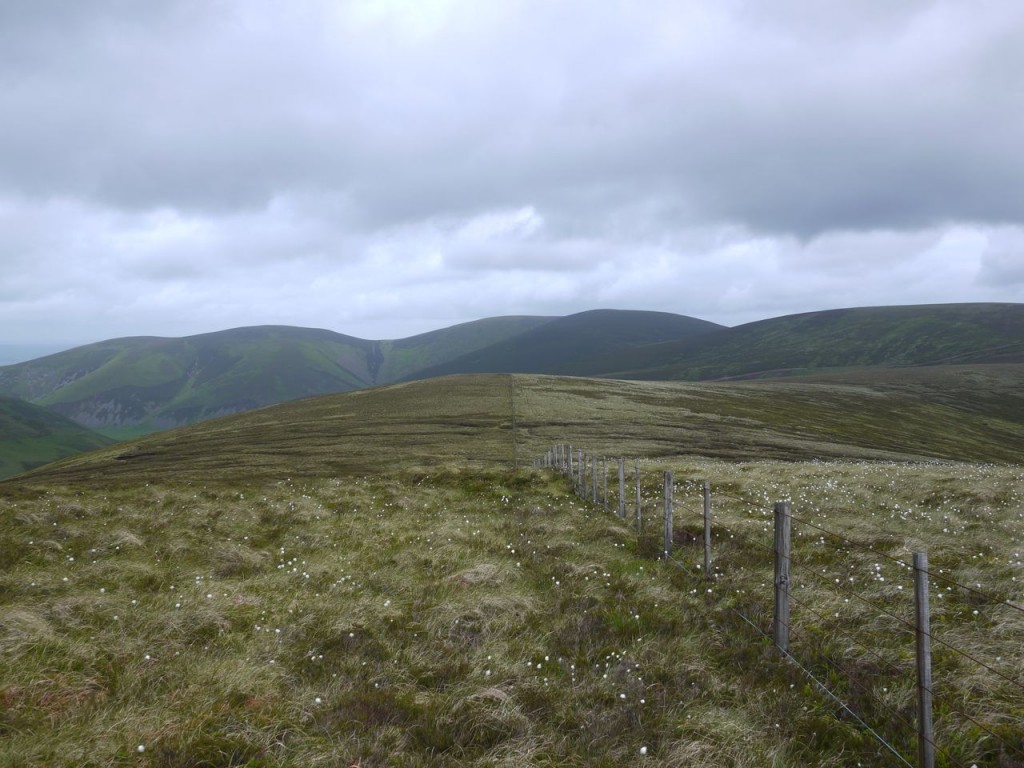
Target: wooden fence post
{"points": [[780, 626], [622, 489], [639, 506], [925, 729], [579, 469], [604, 481], [707, 529], [593, 470], [668, 513]]}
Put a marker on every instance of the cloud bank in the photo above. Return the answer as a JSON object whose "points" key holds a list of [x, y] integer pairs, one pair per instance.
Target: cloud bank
{"points": [[385, 167]]}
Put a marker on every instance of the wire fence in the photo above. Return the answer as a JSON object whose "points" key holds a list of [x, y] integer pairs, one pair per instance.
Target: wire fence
{"points": [[851, 636]]}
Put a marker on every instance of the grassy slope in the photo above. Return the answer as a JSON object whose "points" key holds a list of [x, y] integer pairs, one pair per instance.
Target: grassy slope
{"points": [[404, 357], [33, 436], [469, 418], [844, 338], [355, 579], [124, 384], [578, 337]]}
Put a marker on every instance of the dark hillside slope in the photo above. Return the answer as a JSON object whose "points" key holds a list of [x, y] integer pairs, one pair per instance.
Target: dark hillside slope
{"points": [[31, 436], [404, 357], [500, 419], [575, 339], [942, 334]]}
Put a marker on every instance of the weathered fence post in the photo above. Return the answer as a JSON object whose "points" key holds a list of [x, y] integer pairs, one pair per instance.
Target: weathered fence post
{"points": [[593, 467], [668, 513], [639, 506], [604, 481], [707, 529], [579, 468], [925, 730], [780, 627], [622, 489]]}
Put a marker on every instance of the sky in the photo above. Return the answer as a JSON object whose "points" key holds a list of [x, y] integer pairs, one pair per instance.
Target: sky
{"points": [[383, 168]]}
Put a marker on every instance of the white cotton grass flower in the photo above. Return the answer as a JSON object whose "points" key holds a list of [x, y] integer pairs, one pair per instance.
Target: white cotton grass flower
{"points": [[141, 748]]}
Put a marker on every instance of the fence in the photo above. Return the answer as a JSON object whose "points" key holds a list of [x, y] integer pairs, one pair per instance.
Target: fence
{"points": [[811, 647]]}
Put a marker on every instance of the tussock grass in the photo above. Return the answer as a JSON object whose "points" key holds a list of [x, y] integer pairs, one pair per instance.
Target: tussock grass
{"points": [[431, 619], [368, 580]]}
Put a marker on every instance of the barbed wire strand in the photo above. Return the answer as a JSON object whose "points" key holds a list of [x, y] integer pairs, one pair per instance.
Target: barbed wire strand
{"points": [[908, 625], [980, 663], [990, 598], [825, 689], [887, 664]]}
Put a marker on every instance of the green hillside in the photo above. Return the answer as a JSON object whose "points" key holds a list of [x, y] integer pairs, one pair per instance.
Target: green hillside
{"points": [[31, 436], [835, 339], [365, 579], [579, 338], [488, 419], [124, 386]]}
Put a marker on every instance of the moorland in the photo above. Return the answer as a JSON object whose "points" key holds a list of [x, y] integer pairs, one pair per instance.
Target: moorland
{"points": [[382, 577]]}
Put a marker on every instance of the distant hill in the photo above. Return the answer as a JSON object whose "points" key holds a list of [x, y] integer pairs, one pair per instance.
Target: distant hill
{"points": [[123, 385], [937, 413], [31, 436], [127, 386], [943, 334], [597, 334], [132, 385]]}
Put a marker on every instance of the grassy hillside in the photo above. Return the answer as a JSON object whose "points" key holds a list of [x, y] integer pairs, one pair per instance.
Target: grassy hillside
{"points": [[932, 335], [405, 357], [31, 436], [574, 339], [488, 419], [364, 579], [124, 386]]}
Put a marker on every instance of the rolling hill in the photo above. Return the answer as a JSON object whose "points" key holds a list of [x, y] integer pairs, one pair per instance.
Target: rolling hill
{"points": [[132, 385], [365, 579], [136, 385], [575, 340], [930, 335], [144, 383], [488, 419], [33, 436]]}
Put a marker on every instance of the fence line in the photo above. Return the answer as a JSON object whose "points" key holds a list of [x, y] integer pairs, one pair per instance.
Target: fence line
{"points": [[781, 624]]}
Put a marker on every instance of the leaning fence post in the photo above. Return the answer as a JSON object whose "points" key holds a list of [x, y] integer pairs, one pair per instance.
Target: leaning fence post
{"points": [[707, 529], [668, 513], [622, 489], [780, 627], [925, 730]]}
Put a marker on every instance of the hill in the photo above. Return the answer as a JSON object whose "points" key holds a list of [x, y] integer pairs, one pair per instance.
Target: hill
{"points": [[33, 436], [143, 384], [926, 335], [131, 386], [576, 339], [488, 419], [364, 579]]}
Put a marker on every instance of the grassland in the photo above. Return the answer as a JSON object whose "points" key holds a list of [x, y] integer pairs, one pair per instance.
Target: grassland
{"points": [[33, 436], [367, 579]]}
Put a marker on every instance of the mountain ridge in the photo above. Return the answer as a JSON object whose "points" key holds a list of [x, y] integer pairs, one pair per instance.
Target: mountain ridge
{"points": [[138, 384]]}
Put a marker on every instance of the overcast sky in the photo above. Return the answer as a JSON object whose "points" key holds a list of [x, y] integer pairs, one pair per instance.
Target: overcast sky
{"points": [[386, 167]]}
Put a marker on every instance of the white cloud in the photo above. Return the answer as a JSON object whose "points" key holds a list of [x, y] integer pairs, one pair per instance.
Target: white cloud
{"points": [[384, 167]]}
